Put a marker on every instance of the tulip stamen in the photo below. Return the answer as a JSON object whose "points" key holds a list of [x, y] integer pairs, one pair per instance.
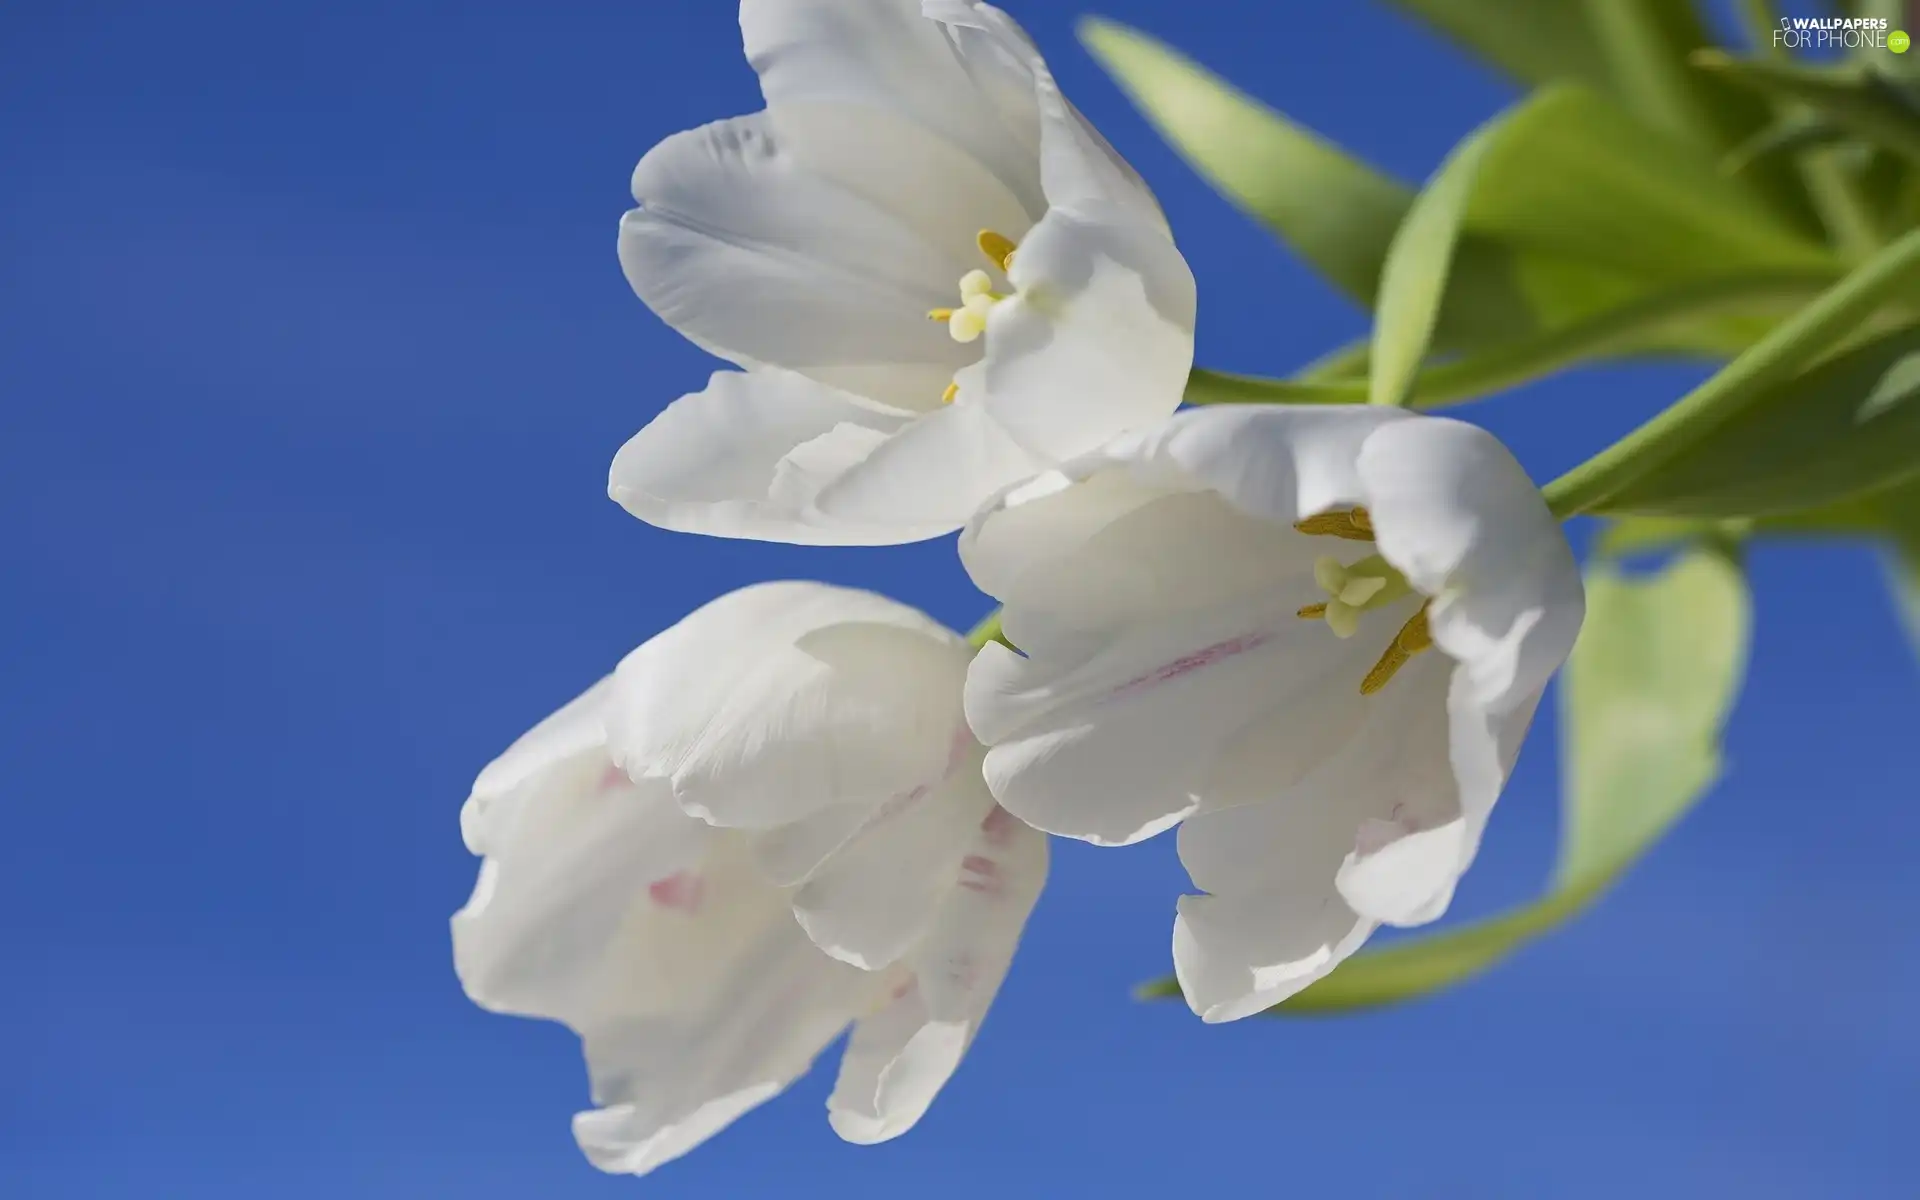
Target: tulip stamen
{"points": [[1414, 637], [1353, 524], [998, 247], [953, 389]]}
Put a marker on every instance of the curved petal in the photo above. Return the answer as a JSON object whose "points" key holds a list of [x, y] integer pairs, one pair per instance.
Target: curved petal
{"points": [[1119, 748], [1098, 338], [871, 899], [1458, 516], [744, 251], [557, 887], [899, 1058], [930, 476], [886, 56], [747, 457], [712, 1008], [561, 743], [784, 700], [1239, 955]]}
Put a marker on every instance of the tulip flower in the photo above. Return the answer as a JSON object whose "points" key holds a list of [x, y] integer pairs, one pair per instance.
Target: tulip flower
{"points": [[935, 277], [1316, 636], [766, 825]]}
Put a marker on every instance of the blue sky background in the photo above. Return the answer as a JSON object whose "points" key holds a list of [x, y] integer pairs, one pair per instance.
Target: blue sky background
{"points": [[313, 354]]}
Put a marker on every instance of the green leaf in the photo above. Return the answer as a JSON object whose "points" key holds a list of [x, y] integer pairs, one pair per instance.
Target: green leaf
{"points": [[1539, 41], [1587, 213], [1413, 281], [1645, 44], [1650, 684], [1852, 96], [1645, 696], [1333, 210], [1839, 314], [1847, 427]]}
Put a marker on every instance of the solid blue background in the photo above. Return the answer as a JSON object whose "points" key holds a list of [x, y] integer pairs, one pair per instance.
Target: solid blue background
{"points": [[314, 352]]}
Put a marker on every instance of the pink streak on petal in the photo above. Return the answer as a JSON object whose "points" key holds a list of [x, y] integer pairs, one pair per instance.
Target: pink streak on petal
{"points": [[979, 873], [681, 892], [1186, 664], [612, 777], [999, 827]]}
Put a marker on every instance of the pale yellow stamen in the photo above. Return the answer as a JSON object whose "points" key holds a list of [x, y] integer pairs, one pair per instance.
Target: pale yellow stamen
{"points": [[1353, 524], [998, 248], [943, 315], [953, 389], [1413, 637]]}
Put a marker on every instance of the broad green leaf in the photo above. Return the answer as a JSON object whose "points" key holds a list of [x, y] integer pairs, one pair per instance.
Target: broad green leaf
{"points": [[1646, 45], [1413, 281], [1852, 96], [1591, 214], [1649, 686], [1848, 427], [1336, 212], [1839, 316], [1539, 41], [1333, 210], [1646, 695]]}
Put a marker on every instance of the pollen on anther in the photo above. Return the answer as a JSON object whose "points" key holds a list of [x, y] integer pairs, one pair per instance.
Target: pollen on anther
{"points": [[998, 248], [953, 389], [1353, 524], [939, 314], [1414, 637]]}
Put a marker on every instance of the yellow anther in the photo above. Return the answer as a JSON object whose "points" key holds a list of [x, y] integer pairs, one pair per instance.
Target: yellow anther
{"points": [[953, 389], [1413, 637], [940, 314], [998, 248], [1312, 612], [1353, 524]]}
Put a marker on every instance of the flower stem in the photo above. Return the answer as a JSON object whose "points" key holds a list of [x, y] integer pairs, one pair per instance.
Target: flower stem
{"points": [[1786, 350], [1512, 363]]}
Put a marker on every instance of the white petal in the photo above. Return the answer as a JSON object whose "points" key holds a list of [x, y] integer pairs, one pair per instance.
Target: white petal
{"points": [[563, 741], [898, 1059], [1098, 340], [1457, 515], [874, 897], [747, 457], [710, 1012], [930, 476], [1119, 748], [1239, 955], [885, 56], [784, 700], [533, 938], [741, 249]]}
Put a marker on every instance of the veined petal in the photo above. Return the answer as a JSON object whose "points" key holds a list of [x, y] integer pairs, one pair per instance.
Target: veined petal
{"points": [[899, 1058], [743, 250], [784, 700], [748, 456]]}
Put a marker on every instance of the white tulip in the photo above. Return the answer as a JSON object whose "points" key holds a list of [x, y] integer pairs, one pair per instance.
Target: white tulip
{"points": [[937, 277], [1316, 635], [871, 880]]}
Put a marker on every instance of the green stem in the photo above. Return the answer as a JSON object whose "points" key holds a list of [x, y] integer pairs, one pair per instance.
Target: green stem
{"points": [[988, 630], [1526, 359], [1782, 353]]}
